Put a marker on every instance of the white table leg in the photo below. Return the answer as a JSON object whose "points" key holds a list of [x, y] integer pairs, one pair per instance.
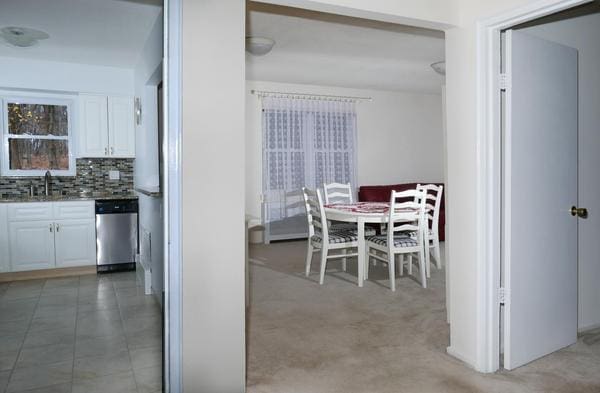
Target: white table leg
{"points": [[361, 250]]}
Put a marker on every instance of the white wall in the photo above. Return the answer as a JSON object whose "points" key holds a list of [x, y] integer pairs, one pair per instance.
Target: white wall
{"points": [[582, 34], [71, 77], [147, 74], [213, 229], [400, 136]]}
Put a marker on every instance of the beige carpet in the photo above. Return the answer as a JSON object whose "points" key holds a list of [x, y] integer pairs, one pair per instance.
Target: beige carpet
{"points": [[307, 338]]}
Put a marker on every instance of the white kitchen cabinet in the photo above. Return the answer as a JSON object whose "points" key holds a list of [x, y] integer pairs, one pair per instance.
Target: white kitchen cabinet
{"points": [[4, 255], [46, 235], [93, 130], [75, 242], [121, 130], [31, 245], [107, 127]]}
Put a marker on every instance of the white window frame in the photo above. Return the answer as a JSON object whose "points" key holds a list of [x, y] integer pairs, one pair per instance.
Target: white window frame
{"points": [[42, 99]]}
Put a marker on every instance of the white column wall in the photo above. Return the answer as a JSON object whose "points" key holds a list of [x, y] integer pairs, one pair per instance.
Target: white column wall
{"points": [[213, 62]]}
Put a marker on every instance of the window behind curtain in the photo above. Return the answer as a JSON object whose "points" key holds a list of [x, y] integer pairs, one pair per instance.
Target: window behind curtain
{"points": [[306, 142]]}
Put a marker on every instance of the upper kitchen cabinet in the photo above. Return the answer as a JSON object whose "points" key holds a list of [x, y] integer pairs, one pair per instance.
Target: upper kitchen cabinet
{"points": [[106, 127], [93, 131], [121, 131]]}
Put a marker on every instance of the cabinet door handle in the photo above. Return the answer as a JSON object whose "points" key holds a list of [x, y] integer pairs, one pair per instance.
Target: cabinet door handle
{"points": [[112, 151], [106, 151], [50, 227], [57, 227]]}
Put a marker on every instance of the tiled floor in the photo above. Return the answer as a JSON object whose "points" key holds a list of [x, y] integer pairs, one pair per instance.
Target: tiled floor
{"points": [[82, 334]]}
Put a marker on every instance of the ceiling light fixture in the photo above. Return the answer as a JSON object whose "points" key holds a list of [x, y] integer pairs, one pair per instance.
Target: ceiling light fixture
{"points": [[22, 37], [439, 67], [259, 46]]}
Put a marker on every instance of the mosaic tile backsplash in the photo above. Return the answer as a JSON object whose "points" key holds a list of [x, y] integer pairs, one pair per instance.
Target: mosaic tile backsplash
{"points": [[92, 176]]}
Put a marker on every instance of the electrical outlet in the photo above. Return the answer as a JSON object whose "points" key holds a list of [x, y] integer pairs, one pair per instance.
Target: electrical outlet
{"points": [[114, 175]]}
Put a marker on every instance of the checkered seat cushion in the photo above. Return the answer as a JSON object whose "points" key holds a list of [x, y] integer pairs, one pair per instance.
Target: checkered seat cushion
{"points": [[342, 226], [336, 237], [399, 240], [414, 234], [350, 226]]}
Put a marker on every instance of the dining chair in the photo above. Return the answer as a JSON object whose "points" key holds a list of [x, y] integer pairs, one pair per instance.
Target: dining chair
{"points": [[433, 194], [322, 238], [337, 193], [342, 193], [404, 219]]}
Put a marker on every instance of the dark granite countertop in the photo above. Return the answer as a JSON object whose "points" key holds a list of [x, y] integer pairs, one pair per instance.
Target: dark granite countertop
{"points": [[65, 198]]}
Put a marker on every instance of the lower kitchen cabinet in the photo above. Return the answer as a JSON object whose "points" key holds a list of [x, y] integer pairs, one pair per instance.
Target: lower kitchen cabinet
{"points": [[75, 242], [66, 239], [31, 245], [4, 254]]}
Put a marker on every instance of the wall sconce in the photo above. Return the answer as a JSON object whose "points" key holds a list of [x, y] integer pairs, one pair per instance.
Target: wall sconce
{"points": [[138, 110]]}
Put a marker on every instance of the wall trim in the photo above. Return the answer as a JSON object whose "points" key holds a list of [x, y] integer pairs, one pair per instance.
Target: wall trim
{"points": [[588, 328], [74, 271], [488, 172], [172, 375], [458, 355]]}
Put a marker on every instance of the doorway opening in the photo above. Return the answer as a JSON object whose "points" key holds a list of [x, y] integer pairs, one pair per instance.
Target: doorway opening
{"points": [[383, 132], [85, 74]]}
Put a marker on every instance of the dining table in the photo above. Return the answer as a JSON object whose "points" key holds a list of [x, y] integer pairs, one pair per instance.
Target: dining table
{"points": [[362, 213]]}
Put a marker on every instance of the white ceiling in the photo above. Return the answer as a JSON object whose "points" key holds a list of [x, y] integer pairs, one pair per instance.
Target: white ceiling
{"points": [[323, 49], [100, 32]]}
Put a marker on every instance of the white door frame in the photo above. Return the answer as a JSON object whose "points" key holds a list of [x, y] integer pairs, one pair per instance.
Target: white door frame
{"points": [[489, 190], [172, 194]]}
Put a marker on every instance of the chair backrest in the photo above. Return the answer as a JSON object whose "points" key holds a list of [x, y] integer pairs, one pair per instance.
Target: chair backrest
{"points": [[433, 202], [407, 213], [315, 213], [337, 193]]}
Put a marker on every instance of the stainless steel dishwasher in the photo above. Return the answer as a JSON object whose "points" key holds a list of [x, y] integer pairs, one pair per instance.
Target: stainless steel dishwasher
{"points": [[116, 234]]}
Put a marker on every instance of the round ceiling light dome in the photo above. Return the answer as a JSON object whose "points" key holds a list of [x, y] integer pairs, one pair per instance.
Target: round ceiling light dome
{"points": [[22, 37], [439, 67], [259, 46]]}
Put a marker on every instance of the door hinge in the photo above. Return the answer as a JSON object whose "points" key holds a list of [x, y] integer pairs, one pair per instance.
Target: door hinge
{"points": [[503, 295], [503, 81]]}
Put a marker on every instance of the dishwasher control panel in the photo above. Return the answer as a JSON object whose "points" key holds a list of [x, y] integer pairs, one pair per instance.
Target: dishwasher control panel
{"points": [[117, 206]]}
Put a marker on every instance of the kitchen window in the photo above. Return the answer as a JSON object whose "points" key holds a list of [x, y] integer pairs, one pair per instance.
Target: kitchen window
{"points": [[37, 133]]}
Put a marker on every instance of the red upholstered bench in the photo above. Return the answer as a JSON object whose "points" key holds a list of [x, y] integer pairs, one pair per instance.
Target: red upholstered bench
{"points": [[382, 194]]}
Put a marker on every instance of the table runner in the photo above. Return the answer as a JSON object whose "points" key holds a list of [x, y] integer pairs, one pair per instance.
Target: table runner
{"points": [[361, 207]]}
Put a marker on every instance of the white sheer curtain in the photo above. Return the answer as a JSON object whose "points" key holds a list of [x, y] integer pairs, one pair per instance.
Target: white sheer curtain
{"points": [[306, 142]]}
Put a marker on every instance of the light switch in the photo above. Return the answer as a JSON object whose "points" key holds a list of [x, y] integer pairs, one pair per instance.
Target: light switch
{"points": [[114, 175]]}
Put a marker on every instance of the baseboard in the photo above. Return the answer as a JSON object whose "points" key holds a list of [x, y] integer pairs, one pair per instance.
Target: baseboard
{"points": [[48, 273], [452, 352], [585, 329]]}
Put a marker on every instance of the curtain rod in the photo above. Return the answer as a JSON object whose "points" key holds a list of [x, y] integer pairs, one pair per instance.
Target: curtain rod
{"points": [[324, 96]]}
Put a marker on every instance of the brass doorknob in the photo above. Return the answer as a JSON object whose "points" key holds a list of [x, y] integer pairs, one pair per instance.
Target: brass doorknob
{"points": [[579, 212]]}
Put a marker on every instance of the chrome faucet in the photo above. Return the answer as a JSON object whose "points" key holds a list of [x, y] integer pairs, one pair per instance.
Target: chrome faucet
{"points": [[48, 183]]}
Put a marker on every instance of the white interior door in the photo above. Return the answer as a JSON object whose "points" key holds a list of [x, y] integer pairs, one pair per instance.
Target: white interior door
{"points": [[540, 186]]}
